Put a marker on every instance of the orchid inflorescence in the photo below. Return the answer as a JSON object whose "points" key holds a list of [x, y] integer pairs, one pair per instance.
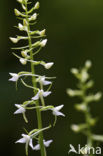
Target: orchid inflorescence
{"points": [[82, 92], [27, 53]]}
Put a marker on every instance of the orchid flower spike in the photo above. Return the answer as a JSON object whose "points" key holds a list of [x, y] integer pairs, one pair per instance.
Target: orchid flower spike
{"points": [[14, 78], [56, 110], [42, 81], [46, 144], [40, 94]]}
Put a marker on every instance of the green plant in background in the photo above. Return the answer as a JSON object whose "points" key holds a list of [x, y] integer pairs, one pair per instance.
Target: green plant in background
{"points": [[85, 98], [35, 42]]}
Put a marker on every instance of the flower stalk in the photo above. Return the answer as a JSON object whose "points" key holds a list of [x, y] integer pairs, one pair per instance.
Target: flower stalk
{"points": [[42, 148], [39, 82], [82, 92]]}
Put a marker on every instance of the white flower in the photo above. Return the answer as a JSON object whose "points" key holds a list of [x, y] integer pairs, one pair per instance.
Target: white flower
{"points": [[23, 61], [43, 43], [26, 139], [46, 144], [42, 80], [40, 94], [56, 110], [14, 78], [14, 40], [33, 17], [20, 109], [37, 5], [48, 65]]}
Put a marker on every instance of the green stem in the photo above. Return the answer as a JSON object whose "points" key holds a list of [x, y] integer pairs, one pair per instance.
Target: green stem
{"points": [[87, 118], [42, 148]]}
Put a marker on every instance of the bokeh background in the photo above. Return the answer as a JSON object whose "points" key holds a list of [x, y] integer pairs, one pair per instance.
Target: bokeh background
{"points": [[75, 34]]}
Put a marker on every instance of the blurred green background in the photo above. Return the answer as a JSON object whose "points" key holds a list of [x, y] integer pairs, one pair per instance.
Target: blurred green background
{"points": [[75, 33]]}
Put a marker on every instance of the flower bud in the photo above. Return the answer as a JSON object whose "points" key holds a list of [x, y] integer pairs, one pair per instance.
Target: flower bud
{"points": [[81, 107], [37, 5], [25, 23], [24, 53], [74, 71], [20, 1], [43, 43], [75, 128], [33, 17], [42, 33], [90, 84], [74, 92], [88, 64], [14, 40], [20, 26], [48, 65], [23, 61], [97, 96], [17, 12], [84, 76]]}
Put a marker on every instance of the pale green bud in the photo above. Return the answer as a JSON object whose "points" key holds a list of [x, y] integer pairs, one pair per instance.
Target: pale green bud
{"points": [[14, 40], [33, 17], [90, 84], [23, 7], [25, 23], [74, 71], [75, 128], [97, 96], [43, 43], [48, 65], [37, 5], [81, 107], [23, 61], [88, 64], [24, 53], [74, 92], [17, 12], [20, 1], [84, 76], [42, 33], [92, 121], [78, 128], [21, 27]]}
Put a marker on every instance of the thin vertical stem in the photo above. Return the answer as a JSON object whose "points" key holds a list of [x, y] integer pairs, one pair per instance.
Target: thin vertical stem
{"points": [[42, 148], [87, 115]]}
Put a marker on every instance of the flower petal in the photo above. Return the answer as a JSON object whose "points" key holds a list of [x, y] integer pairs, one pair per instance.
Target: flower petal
{"points": [[47, 143], [37, 147], [46, 82], [36, 97], [20, 110], [22, 140], [31, 143], [59, 107], [45, 94], [57, 113]]}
